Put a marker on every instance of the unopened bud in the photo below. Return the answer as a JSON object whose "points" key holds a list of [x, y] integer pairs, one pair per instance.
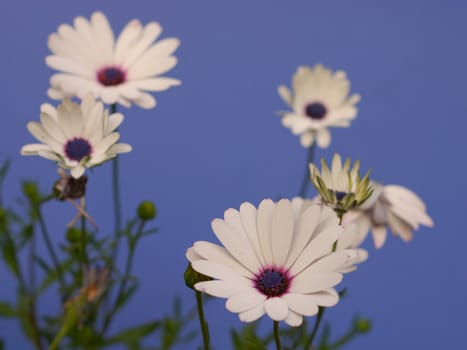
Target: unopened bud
{"points": [[147, 210]]}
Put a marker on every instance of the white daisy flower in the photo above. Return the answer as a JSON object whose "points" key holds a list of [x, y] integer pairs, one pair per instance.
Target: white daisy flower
{"points": [[341, 187], [276, 260], [390, 206], [116, 71], [319, 100], [76, 136]]}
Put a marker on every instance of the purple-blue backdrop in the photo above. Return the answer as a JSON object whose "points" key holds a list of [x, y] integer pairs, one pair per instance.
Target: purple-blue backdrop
{"points": [[215, 142]]}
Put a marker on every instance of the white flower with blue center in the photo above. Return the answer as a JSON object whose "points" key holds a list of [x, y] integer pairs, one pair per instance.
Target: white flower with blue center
{"points": [[275, 260], [76, 136], [319, 99], [122, 70]]}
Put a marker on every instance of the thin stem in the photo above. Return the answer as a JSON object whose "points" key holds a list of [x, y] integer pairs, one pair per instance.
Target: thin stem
{"points": [[306, 177], [202, 321], [36, 335], [344, 339], [309, 343], [116, 188], [50, 247], [84, 241], [277, 338], [123, 283]]}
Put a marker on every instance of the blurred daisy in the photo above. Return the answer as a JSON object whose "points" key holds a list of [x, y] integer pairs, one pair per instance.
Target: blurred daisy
{"points": [[117, 71], [341, 187], [76, 136], [390, 206], [276, 260], [319, 100]]}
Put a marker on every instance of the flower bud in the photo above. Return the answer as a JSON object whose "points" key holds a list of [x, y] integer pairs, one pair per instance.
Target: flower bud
{"points": [[362, 325], [192, 277], [147, 210]]}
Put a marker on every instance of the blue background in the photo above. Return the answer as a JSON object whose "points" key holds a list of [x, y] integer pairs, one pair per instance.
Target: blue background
{"points": [[215, 142]]}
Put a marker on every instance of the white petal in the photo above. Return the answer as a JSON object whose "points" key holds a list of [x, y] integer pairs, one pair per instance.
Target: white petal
{"points": [[150, 33], [285, 93], [221, 289], [293, 319], [236, 243], [323, 138], [326, 298], [248, 215], [264, 221], [77, 171], [276, 308], [129, 35], [319, 245], [244, 301], [145, 101], [303, 231], [282, 231], [301, 304], [252, 314], [310, 281], [213, 252], [155, 84], [219, 271], [379, 236], [307, 139], [191, 255]]}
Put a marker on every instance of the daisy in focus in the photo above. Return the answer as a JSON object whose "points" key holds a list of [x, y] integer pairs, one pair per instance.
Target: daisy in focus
{"points": [[340, 187], [390, 206], [319, 99], [122, 70], [275, 260], [76, 136]]}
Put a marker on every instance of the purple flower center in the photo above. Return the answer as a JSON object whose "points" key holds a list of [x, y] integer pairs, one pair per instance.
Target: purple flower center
{"points": [[77, 149], [315, 110], [340, 195], [272, 282], [110, 76]]}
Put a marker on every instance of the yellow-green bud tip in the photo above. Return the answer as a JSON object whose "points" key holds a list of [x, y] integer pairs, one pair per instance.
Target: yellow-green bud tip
{"points": [[363, 325], [73, 235], [192, 277], [147, 210]]}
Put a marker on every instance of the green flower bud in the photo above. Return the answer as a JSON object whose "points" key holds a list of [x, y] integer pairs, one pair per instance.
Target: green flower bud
{"points": [[192, 277], [362, 325], [31, 191], [74, 235], [147, 210]]}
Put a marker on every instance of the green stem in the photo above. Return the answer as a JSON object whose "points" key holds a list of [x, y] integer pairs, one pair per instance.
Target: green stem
{"points": [[84, 241], [344, 339], [202, 321], [277, 337], [36, 334], [116, 188], [306, 177], [50, 247], [123, 283], [309, 343]]}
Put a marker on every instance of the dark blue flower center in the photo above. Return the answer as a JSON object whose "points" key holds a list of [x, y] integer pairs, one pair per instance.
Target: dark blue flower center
{"points": [[77, 149], [111, 76], [272, 282], [315, 110], [340, 195]]}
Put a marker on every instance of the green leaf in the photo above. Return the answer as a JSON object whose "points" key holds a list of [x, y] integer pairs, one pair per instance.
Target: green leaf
{"points": [[6, 310], [131, 336], [9, 255]]}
